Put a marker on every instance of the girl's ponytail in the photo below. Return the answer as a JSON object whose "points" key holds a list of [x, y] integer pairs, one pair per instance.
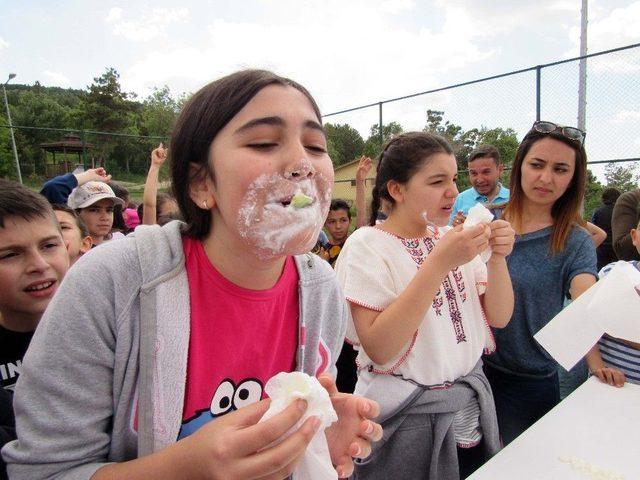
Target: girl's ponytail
{"points": [[375, 205]]}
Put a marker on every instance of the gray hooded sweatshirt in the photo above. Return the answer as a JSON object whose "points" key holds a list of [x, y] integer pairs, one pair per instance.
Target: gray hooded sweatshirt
{"points": [[104, 378]]}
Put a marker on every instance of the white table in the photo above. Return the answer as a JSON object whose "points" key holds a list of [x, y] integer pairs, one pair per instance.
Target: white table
{"points": [[597, 424]]}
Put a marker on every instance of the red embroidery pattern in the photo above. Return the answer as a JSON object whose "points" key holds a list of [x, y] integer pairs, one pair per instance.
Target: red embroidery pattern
{"points": [[417, 255]]}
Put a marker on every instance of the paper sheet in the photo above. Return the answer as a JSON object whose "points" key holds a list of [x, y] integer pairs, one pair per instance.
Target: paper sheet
{"points": [[570, 334], [610, 306], [616, 306]]}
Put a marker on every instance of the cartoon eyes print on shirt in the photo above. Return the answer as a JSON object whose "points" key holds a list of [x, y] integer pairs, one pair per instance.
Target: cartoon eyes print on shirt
{"points": [[228, 397]]}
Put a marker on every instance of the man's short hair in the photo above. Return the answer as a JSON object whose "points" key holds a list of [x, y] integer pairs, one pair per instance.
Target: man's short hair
{"points": [[16, 200], [610, 195], [485, 151], [339, 204]]}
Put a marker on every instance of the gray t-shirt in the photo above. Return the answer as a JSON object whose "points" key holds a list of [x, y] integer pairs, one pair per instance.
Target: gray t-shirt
{"points": [[541, 282]]}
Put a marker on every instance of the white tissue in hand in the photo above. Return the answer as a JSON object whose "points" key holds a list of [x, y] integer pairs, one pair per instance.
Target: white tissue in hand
{"points": [[285, 388], [479, 214]]}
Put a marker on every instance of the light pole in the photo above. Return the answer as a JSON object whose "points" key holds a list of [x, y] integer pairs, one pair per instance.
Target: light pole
{"points": [[13, 139]]}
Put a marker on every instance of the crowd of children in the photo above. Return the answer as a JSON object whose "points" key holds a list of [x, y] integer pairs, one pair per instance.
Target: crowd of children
{"points": [[150, 359]]}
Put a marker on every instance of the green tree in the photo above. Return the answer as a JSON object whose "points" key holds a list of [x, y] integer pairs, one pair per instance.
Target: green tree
{"points": [[373, 146], [624, 178], [159, 112], [465, 141], [7, 169], [106, 107], [345, 143], [593, 195]]}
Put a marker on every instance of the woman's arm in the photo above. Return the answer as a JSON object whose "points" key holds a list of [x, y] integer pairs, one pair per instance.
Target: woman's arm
{"points": [[598, 235]]}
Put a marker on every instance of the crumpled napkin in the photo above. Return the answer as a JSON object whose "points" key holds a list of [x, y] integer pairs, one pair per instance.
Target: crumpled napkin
{"points": [[479, 214], [285, 388]]}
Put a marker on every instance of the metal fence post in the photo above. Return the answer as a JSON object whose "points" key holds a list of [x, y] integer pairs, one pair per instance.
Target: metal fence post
{"points": [[381, 133], [538, 94]]}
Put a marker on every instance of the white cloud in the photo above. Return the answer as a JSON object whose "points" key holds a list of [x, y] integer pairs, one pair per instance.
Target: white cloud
{"points": [[150, 26], [57, 79], [114, 14], [609, 29], [3, 43], [394, 7], [335, 60]]}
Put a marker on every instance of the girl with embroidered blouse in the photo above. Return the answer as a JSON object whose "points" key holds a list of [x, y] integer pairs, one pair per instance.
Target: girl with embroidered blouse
{"points": [[421, 303]]}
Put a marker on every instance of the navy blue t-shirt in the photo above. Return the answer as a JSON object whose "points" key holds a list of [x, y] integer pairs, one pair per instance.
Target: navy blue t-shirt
{"points": [[541, 282]]}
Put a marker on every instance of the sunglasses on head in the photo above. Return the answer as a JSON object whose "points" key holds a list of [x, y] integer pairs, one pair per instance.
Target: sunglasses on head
{"points": [[571, 133]]}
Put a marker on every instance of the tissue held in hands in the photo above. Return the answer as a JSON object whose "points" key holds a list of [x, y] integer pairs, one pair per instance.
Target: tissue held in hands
{"points": [[479, 214], [285, 388]]}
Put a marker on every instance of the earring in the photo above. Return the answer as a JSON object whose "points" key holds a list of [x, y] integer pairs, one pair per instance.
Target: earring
{"points": [[204, 203]]}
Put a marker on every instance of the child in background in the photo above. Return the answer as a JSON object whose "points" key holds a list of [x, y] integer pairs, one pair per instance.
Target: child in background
{"points": [[177, 328], [74, 232], [94, 202], [618, 360], [157, 207], [33, 261], [337, 225], [421, 302]]}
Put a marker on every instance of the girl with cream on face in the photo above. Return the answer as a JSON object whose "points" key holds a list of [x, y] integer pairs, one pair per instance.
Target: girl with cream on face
{"points": [[206, 310]]}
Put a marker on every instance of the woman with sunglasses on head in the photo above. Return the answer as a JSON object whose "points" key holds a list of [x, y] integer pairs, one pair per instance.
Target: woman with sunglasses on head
{"points": [[553, 258]]}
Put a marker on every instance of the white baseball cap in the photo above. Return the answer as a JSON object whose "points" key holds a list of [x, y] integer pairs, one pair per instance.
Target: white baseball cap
{"points": [[90, 193]]}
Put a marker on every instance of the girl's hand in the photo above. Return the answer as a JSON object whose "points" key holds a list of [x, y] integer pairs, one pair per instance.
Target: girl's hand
{"points": [[352, 434], [502, 238], [459, 246], [612, 376], [236, 446], [364, 166], [158, 155], [93, 175]]}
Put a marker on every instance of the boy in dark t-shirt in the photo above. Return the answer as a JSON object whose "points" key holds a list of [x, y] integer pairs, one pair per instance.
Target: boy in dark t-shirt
{"points": [[33, 261]]}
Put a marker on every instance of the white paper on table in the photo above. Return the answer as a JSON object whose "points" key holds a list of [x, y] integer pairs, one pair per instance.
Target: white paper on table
{"points": [[616, 305], [479, 214], [571, 334], [285, 388]]}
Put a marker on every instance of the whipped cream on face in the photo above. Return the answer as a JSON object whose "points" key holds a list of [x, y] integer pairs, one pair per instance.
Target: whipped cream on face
{"points": [[283, 216]]}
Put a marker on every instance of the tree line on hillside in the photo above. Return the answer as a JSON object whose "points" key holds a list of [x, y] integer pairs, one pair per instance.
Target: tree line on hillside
{"points": [[104, 107]]}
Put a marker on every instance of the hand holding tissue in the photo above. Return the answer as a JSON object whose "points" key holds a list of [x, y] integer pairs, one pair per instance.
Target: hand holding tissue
{"points": [[285, 388]]}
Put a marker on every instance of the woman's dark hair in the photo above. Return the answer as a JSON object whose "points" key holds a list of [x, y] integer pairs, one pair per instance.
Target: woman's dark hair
{"points": [[204, 115], [566, 210], [401, 157]]}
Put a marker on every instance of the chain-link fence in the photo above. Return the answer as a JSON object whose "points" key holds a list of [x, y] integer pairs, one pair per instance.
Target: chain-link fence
{"points": [[510, 100], [516, 99]]}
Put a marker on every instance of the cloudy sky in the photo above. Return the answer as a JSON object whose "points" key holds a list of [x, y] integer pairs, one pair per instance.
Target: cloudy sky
{"points": [[347, 52]]}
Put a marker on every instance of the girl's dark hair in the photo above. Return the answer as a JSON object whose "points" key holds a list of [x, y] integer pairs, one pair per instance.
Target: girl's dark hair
{"points": [[84, 231], [401, 157], [566, 210], [204, 115]]}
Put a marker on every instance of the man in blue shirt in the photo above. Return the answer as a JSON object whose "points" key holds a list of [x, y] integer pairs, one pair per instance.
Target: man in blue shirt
{"points": [[484, 172]]}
